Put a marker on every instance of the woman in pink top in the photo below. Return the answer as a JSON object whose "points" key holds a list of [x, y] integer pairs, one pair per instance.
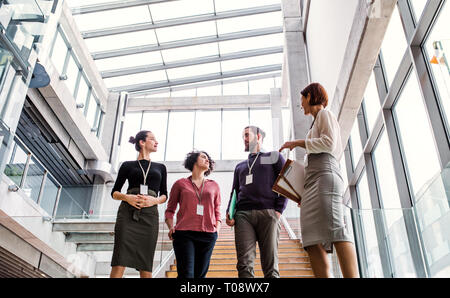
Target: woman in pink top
{"points": [[198, 218]]}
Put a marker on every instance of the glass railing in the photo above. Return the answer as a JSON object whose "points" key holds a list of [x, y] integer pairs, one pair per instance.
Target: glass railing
{"points": [[432, 209], [28, 176], [382, 239]]}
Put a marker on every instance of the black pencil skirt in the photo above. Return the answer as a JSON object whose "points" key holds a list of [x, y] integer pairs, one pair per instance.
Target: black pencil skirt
{"points": [[135, 237]]}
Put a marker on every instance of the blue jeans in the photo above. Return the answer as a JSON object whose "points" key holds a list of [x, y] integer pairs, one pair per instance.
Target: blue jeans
{"points": [[193, 252]]}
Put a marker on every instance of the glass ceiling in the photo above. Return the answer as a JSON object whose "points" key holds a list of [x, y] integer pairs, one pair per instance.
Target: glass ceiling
{"points": [[168, 47]]}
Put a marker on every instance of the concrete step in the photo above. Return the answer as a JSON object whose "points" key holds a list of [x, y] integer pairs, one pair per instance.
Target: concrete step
{"points": [[233, 260], [280, 254], [224, 248], [232, 266], [298, 273]]}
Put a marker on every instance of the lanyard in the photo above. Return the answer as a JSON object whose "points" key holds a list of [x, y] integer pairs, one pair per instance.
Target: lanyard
{"points": [[251, 167], [146, 173], [196, 192]]}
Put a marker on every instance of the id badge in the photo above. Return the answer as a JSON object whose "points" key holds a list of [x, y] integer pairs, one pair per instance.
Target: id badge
{"points": [[200, 209], [143, 189], [249, 179]]}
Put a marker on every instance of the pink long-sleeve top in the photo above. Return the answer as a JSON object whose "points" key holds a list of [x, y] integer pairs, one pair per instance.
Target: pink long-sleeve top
{"points": [[183, 193]]}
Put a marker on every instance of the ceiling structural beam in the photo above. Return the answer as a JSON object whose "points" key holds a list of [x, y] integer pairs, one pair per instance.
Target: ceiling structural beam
{"points": [[113, 5], [189, 62], [141, 94], [186, 42], [195, 79], [197, 102], [181, 21]]}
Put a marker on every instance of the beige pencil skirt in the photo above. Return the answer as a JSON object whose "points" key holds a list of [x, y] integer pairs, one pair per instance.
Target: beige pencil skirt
{"points": [[321, 211]]}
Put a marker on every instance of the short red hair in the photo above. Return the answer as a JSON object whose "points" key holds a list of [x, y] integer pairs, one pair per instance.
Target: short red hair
{"points": [[318, 94]]}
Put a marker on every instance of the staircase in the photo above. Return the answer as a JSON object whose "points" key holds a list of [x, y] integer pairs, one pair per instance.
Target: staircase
{"points": [[293, 259]]}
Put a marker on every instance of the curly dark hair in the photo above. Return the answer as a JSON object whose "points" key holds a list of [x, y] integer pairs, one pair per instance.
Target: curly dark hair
{"points": [[191, 160], [318, 93]]}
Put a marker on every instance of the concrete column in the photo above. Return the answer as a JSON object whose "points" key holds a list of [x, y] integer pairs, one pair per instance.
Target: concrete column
{"points": [[295, 72], [277, 118]]}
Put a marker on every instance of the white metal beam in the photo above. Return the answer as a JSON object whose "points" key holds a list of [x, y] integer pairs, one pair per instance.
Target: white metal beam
{"points": [[194, 79], [141, 94], [197, 102], [113, 5], [181, 21], [186, 42], [190, 62]]}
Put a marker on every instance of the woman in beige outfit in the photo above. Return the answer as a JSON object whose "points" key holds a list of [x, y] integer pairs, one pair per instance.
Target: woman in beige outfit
{"points": [[321, 214]]}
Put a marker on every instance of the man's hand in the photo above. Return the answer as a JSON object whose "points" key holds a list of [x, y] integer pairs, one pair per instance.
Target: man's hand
{"points": [[230, 222]]}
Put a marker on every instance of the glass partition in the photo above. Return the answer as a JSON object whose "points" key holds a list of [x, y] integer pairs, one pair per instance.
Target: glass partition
{"points": [[34, 178], [433, 215]]}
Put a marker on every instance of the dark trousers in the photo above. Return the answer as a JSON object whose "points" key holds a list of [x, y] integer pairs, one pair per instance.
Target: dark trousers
{"points": [[193, 252], [262, 226]]}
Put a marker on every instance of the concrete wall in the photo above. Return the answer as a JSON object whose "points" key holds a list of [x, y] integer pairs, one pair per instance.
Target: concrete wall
{"points": [[327, 34]]}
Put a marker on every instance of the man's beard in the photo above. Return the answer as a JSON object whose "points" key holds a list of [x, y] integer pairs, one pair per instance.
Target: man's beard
{"points": [[249, 147]]}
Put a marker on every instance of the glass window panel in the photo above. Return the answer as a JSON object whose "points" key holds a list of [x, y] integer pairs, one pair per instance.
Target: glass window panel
{"points": [[234, 122], [373, 264], [242, 63], [224, 5], [286, 114], [210, 91], [437, 46], [189, 31], [178, 9], [33, 181], [278, 81], [129, 61], [72, 74], [190, 52], [258, 21], [394, 45], [418, 6], [59, 53], [384, 166], [251, 43], [131, 126], [156, 122], [119, 41], [195, 70], [372, 102], [363, 192], [180, 136], [93, 108], [208, 132], [240, 88], [157, 95], [415, 134], [261, 86], [49, 194], [82, 92], [16, 164], [112, 18], [182, 93], [263, 120], [356, 143], [146, 77]]}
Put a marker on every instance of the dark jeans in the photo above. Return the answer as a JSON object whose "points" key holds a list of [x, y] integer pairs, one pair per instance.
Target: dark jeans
{"points": [[193, 251]]}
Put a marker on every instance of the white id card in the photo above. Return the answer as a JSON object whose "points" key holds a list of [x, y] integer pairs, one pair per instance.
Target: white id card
{"points": [[143, 189], [200, 209], [249, 179]]}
